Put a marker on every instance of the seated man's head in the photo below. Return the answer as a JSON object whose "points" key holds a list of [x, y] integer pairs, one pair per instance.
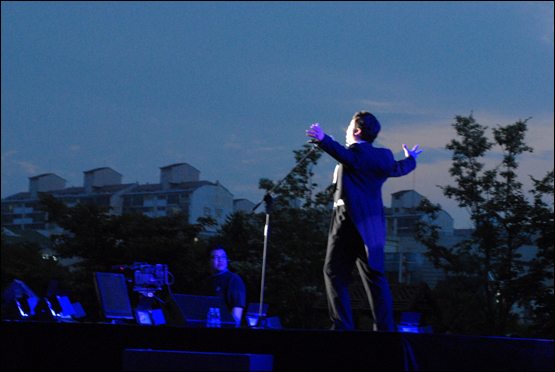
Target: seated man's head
{"points": [[217, 258]]}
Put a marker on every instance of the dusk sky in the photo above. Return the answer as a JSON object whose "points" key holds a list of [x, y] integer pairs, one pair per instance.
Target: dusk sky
{"points": [[231, 87]]}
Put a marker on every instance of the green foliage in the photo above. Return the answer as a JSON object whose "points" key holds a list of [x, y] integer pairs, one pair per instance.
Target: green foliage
{"points": [[99, 240], [24, 261], [542, 265], [489, 266]]}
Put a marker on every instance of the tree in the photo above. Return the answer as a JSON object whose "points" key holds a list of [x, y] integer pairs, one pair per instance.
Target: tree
{"points": [[25, 261], [99, 241], [489, 265], [543, 264]]}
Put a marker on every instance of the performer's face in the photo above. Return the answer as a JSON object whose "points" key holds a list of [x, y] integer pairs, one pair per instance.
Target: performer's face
{"points": [[352, 133], [218, 261]]}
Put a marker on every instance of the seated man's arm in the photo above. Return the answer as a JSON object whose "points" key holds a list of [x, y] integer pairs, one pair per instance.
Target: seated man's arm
{"points": [[237, 313]]}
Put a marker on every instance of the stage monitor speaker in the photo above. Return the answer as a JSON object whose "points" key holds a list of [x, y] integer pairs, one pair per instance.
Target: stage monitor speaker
{"points": [[190, 311], [19, 309], [111, 290], [410, 322], [79, 311]]}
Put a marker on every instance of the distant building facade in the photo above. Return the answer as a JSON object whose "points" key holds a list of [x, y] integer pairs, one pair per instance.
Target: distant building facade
{"points": [[405, 260], [180, 191]]}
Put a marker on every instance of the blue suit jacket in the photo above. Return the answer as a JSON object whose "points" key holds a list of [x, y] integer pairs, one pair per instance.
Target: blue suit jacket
{"points": [[363, 170]]}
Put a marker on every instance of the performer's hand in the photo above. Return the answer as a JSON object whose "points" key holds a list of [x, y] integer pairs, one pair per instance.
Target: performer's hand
{"points": [[316, 132], [414, 152]]}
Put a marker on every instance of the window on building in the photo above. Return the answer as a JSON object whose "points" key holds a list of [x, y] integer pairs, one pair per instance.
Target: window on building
{"points": [[7, 219], [218, 212], [173, 199], [173, 210], [8, 207], [103, 200], [35, 226], [70, 201], [137, 200], [406, 222], [392, 276], [207, 211], [39, 217], [390, 226]]}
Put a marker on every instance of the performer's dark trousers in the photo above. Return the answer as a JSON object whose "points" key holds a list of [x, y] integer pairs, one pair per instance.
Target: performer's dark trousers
{"points": [[345, 248]]}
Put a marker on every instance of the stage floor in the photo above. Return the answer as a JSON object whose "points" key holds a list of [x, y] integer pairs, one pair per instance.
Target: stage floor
{"points": [[100, 347]]}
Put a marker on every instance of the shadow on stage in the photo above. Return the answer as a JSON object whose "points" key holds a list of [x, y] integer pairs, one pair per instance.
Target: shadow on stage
{"points": [[34, 345]]}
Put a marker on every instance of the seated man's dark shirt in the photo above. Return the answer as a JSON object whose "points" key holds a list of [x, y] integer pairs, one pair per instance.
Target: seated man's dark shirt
{"points": [[229, 287]]}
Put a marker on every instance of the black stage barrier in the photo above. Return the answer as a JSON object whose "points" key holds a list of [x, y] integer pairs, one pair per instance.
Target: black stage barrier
{"points": [[28, 345], [163, 360]]}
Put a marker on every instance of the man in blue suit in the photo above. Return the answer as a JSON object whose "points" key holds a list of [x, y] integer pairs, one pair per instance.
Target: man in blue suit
{"points": [[358, 228]]}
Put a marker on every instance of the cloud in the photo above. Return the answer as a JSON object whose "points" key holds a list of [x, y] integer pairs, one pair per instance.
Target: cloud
{"points": [[266, 149], [10, 162], [28, 167], [545, 155], [409, 108], [427, 134], [546, 21], [75, 148], [540, 129], [539, 19], [233, 143], [249, 161], [435, 134], [5, 156]]}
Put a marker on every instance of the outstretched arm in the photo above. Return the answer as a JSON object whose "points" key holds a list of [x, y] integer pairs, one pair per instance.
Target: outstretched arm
{"points": [[406, 165], [414, 152], [328, 144], [316, 132]]}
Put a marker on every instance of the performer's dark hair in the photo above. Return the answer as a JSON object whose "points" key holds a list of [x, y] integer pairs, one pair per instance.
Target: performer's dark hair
{"points": [[369, 125]]}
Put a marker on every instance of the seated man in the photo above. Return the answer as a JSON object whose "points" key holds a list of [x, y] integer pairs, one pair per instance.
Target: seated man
{"points": [[225, 284]]}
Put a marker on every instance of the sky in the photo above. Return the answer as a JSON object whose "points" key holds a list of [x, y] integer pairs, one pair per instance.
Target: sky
{"points": [[231, 87]]}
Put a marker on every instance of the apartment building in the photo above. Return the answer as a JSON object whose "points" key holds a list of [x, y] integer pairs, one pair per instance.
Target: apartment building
{"points": [[180, 191]]}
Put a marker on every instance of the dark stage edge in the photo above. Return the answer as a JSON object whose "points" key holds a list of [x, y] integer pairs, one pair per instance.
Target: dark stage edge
{"points": [[99, 347]]}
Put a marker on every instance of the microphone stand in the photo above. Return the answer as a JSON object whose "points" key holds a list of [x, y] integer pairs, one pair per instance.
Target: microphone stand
{"points": [[262, 322]]}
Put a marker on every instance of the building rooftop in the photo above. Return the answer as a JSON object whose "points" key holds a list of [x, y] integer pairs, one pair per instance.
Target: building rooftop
{"points": [[102, 168], [402, 192], [174, 187], [45, 174]]}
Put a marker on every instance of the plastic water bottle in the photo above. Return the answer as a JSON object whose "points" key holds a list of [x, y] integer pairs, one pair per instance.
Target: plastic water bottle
{"points": [[210, 318], [217, 318]]}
